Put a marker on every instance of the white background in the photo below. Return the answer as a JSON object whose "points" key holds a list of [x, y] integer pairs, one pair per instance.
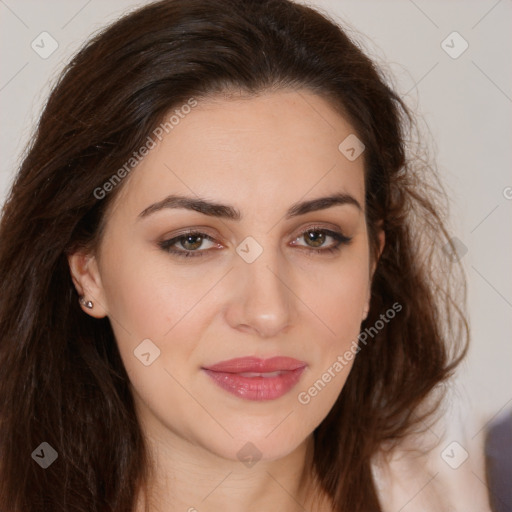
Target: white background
{"points": [[466, 102]]}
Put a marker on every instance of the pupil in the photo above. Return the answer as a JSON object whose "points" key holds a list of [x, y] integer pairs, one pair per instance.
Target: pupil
{"points": [[316, 237], [188, 238]]}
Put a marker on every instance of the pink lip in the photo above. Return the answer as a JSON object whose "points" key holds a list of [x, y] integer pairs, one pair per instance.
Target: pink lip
{"points": [[227, 375]]}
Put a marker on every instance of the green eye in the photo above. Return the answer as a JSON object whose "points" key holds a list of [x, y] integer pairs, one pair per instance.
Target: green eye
{"points": [[191, 242], [315, 237]]}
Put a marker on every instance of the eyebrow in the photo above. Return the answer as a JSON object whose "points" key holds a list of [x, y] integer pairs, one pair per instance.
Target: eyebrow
{"points": [[228, 212]]}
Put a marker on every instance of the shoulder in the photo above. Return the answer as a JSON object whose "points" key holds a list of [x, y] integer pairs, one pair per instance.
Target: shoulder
{"points": [[441, 470]]}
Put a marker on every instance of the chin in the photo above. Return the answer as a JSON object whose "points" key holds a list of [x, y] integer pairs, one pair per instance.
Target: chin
{"points": [[267, 441]]}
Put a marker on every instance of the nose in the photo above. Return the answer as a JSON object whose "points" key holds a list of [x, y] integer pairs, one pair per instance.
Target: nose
{"points": [[262, 302]]}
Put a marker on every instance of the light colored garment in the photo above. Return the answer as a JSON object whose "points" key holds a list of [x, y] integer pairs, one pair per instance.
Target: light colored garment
{"points": [[440, 470]]}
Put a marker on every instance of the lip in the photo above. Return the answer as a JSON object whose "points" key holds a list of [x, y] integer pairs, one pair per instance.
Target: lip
{"points": [[234, 376]]}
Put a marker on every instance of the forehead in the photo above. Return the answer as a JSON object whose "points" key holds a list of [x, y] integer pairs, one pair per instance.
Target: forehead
{"points": [[261, 152]]}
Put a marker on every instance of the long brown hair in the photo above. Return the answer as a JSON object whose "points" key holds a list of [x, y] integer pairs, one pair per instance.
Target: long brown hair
{"points": [[62, 380]]}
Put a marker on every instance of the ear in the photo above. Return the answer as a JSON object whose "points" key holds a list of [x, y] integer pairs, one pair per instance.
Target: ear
{"points": [[381, 241], [87, 280]]}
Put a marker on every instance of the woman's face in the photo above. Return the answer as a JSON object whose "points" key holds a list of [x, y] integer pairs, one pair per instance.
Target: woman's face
{"points": [[260, 283]]}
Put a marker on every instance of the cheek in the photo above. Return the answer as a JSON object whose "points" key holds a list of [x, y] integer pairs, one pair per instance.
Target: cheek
{"points": [[158, 318], [338, 298], [145, 293], [338, 302], [149, 309]]}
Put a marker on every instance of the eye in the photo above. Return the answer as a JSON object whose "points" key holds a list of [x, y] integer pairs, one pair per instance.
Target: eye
{"points": [[190, 243], [315, 238]]}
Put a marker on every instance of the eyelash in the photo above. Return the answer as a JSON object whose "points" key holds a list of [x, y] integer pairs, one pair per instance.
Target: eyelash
{"points": [[167, 244]]}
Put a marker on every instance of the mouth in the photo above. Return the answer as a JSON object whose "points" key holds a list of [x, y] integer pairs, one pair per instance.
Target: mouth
{"points": [[256, 379]]}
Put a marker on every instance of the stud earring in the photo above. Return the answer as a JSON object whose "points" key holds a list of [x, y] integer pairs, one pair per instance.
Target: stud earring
{"points": [[87, 303]]}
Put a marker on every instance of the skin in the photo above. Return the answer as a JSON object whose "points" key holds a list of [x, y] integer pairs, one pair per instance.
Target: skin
{"points": [[260, 155]]}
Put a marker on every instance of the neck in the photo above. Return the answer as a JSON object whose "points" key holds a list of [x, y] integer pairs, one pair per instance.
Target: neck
{"points": [[186, 477]]}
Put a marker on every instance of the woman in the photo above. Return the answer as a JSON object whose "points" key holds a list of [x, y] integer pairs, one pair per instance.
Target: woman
{"points": [[217, 273]]}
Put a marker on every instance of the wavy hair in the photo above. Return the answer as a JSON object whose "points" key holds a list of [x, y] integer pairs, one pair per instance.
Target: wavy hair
{"points": [[62, 379]]}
